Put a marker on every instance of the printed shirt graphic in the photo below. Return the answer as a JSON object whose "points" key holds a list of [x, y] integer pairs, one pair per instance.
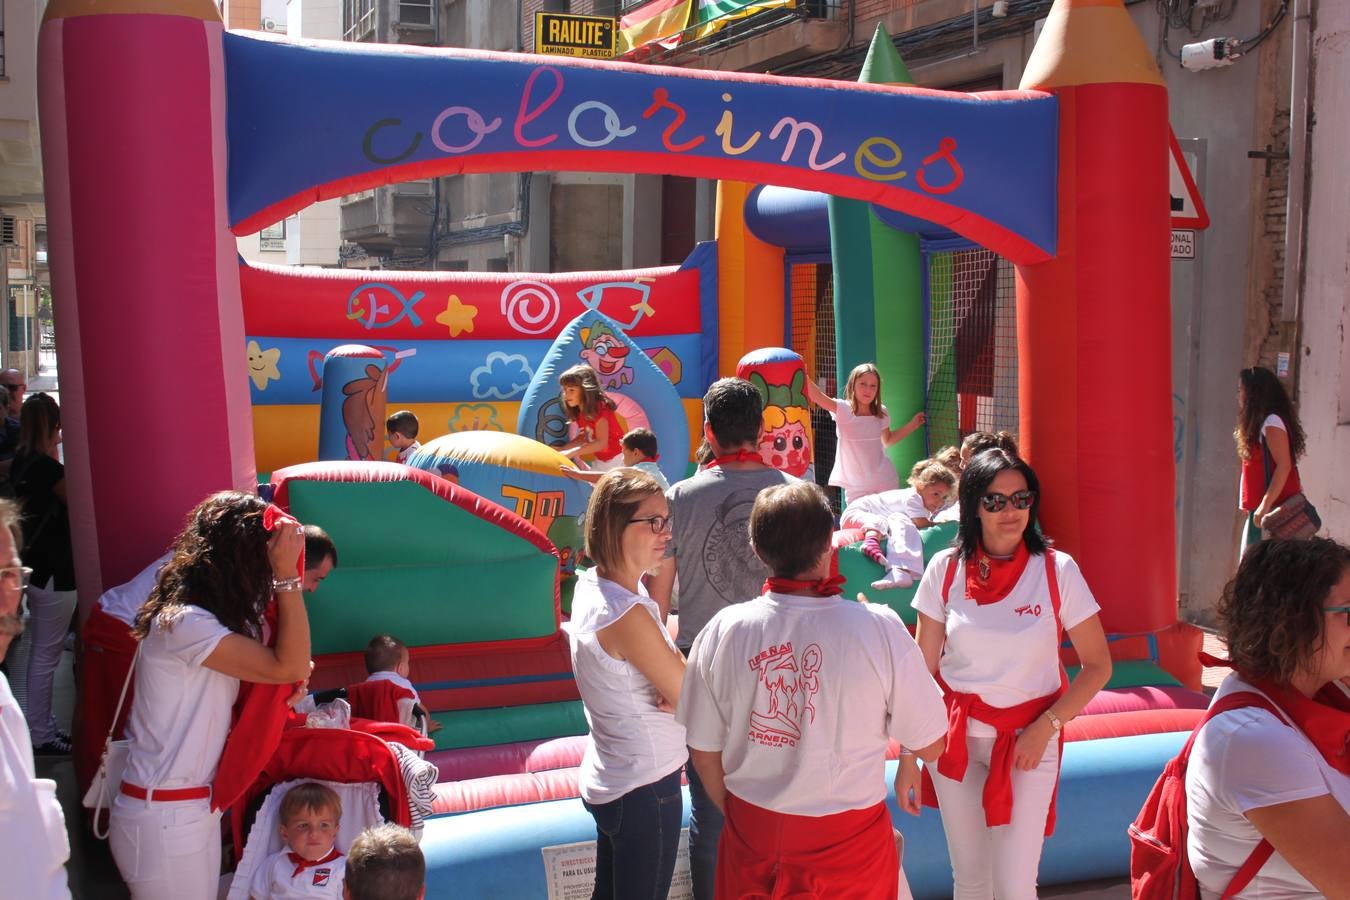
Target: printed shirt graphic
{"points": [[787, 685], [801, 694]]}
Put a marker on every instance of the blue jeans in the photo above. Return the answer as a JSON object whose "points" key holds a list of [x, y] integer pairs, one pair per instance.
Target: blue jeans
{"points": [[636, 839], [705, 830]]}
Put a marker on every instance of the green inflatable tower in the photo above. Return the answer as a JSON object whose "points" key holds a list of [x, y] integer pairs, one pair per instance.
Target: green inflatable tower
{"points": [[878, 289]]}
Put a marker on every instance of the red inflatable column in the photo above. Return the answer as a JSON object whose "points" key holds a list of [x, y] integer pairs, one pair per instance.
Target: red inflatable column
{"points": [[144, 272], [1094, 324]]}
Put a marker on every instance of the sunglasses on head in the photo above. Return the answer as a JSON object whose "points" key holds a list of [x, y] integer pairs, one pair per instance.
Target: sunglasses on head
{"points": [[996, 502]]}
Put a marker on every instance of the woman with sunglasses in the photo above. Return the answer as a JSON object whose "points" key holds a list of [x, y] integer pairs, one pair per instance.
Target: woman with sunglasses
{"points": [[1258, 780], [992, 613], [629, 675]]}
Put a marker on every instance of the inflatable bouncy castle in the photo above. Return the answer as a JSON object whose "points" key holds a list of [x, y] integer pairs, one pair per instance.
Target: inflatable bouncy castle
{"points": [[1059, 178]]}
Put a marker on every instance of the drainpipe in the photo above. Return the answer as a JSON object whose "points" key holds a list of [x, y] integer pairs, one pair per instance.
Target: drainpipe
{"points": [[1291, 302], [974, 25]]}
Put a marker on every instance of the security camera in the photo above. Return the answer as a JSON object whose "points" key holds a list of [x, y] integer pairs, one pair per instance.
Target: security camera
{"points": [[1214, 53]]}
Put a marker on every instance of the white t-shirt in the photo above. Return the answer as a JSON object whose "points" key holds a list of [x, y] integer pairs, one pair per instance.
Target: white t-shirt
{"points": [[860, 463], [1247, 759], [33, 842], [276, 879], [1006, 652], [181, 715], [653, 470], [406, 453], [631, 742], [1273, 421], [801, 694], [899, 502], [125, 600]]}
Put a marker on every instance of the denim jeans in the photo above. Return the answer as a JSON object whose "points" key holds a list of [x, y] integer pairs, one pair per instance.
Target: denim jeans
{"points": [[636, 839], [705, 830]]}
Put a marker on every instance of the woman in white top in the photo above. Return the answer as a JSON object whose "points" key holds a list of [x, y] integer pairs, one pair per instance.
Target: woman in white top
{"points": [[1252, 777], [992, 611], [629, 675], [200, 636]]}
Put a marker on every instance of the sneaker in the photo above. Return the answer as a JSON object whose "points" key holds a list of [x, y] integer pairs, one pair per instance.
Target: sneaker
{"points": [[898, 578], [57, 746]]}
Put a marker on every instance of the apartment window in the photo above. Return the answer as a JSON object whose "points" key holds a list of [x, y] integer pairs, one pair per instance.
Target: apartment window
{"points": [[358, 19], [414, 12], [273, 237]]}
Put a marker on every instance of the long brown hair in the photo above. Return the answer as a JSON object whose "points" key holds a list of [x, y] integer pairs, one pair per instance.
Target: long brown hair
{"points": [[219, 563], [39, 419], [1262, 395]]}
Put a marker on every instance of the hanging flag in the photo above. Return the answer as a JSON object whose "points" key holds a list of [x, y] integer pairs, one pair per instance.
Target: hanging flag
{"points": [[659, 20], [714, 15]]}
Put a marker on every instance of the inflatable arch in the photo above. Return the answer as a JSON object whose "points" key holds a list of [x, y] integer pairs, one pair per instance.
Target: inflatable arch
{"points": [[1062, 177]]}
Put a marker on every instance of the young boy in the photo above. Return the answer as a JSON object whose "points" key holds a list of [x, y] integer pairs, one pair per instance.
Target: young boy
{"points": [[402, 429], [639, 452], [387, 695], [788, 703], [311, 865], [385, 863]]}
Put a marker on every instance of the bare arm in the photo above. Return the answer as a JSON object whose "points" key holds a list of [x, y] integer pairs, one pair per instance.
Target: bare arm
{"points": [[891, 436], [582, 474], [1089, 640], [818, 396], [1281, 464], [930, 635], [580, 447], [661, 584], [907, 777], [708, 764], [637, 638], [249, 660], [1313, 835]]}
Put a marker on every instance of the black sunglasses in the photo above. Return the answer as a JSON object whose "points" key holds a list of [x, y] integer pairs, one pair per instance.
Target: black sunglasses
{"points": [[996, 502]]}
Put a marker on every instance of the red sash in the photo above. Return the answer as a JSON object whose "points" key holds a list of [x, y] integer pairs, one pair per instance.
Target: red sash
{"points": [[1006, 721]]}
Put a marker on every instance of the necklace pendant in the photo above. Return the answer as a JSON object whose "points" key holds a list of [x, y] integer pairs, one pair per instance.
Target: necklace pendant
{"points": [[984, 568]]}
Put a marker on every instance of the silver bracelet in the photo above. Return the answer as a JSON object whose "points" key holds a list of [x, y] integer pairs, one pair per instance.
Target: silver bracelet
{"points": [[286, 585], [904, 752]]}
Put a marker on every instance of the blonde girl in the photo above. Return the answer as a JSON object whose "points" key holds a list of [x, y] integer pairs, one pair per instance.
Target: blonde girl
{"points": [[864, 428], [592, 413], [898, 515]]}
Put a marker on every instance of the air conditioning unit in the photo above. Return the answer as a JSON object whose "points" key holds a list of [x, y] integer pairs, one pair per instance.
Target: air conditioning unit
{"points": [[9, 230], [269, 24]]}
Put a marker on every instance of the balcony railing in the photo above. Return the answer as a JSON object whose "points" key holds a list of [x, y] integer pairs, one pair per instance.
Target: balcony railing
{"points": [[735, 30]]}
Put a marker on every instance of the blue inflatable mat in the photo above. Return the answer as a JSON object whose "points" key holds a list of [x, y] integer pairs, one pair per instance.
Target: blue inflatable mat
{"points": [[496, 852]]}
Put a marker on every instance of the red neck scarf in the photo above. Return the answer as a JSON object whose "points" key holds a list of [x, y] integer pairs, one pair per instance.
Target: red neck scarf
{"points": [[738, 456], [989, 580], [1324, 719], [828, 586], [301, 864]]}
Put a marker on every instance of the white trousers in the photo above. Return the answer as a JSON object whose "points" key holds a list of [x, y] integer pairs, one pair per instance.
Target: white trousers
{"points": [[904, 546], [999, 862], [49, 614], [166, 851]]}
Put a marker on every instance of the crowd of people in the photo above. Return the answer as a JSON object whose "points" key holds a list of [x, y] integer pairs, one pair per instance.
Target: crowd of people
{"points": [[774, 694]]}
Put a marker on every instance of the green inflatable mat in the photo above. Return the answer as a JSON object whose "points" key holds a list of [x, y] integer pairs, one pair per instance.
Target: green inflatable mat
{"points": [[506, 724], [1134, 673], [420, 568], [860, 571]]}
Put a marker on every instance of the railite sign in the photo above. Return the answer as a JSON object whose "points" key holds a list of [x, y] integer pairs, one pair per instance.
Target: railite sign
{"points": [[561, 34]]}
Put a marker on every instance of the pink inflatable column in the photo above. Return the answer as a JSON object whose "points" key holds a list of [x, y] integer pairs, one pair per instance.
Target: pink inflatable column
{"points": [[144, 273]]}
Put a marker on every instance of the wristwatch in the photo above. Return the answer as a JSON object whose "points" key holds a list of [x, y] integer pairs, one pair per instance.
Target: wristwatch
{"points": [[1055, 723]]}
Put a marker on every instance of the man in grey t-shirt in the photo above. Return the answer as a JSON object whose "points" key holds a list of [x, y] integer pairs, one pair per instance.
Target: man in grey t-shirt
{"points": [[710, 516]]}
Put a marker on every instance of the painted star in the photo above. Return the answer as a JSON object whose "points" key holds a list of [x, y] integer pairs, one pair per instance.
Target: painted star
{"points": [[262, 365], [458, 316]]}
